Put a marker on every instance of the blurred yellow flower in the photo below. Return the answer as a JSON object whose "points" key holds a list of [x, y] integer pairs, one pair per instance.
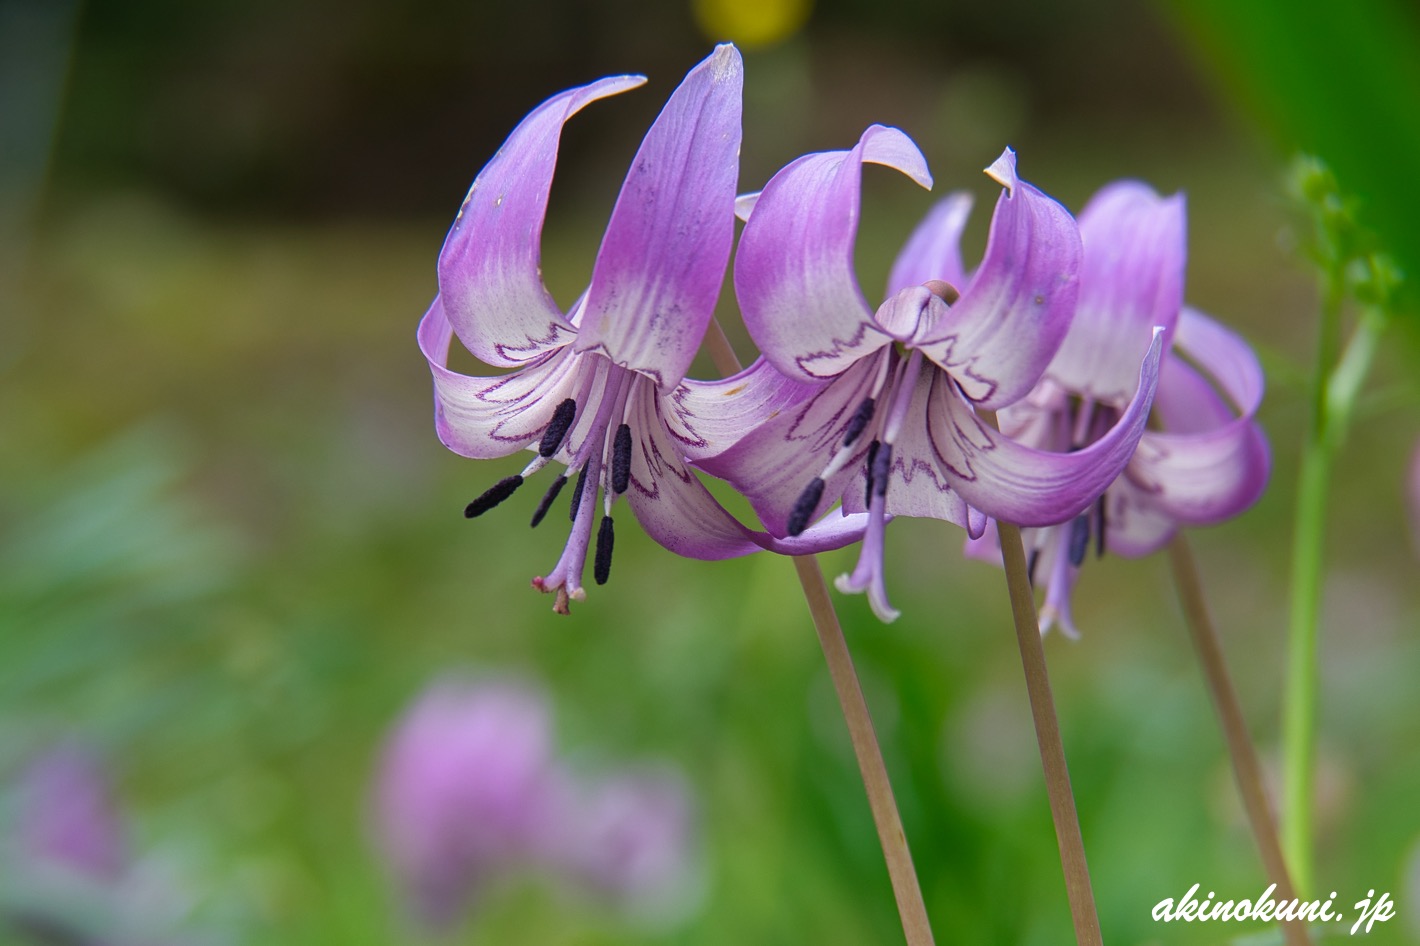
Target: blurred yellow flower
{"points": [[751, 23]]}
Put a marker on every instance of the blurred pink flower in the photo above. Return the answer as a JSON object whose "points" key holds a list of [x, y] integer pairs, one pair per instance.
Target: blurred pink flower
{"points": [[470, 789], [633, 836], [67, 816], [466, 783]]}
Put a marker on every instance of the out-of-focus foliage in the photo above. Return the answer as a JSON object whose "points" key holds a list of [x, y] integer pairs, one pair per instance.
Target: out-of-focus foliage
{"points": [[1337, 80]]}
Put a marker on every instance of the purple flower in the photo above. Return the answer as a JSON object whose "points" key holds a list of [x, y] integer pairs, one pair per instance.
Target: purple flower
{"points": [[1205, 460], [467, 784], [887, 413], [67, 817], [595, 389]]}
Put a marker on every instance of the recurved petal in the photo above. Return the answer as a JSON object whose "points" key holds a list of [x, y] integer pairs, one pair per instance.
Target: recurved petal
{"points": [[1211, 461], [1028, 487], [794, 267], [778, 458], [489, 275], [676, 509], [1131, 281], [709, 417], [664, 255], [998, 338], [933, 251], [1229, 362], [492, 417]]}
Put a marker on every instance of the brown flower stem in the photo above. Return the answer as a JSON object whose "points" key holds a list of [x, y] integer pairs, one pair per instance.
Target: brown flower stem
{"points": [[1246, 769], [721, 352], [1047, 733], [902, 874]]}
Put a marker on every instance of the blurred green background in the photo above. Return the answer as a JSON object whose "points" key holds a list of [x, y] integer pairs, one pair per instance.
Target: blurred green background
{"points": [[231, 548]]}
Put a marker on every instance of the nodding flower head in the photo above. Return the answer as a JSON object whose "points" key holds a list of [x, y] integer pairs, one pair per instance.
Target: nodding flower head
{"points": [[599, 390], [1203, 459], [890, 425]]}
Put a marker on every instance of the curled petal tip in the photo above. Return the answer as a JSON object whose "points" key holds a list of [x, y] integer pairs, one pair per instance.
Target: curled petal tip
{"points": [[883, 144], [1003, 171]]}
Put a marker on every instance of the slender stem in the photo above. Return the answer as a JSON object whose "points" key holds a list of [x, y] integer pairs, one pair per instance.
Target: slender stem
{"points": [[901, 872], [1246, 769], [905, 886], [1299, 701], [1047, 733], [1337, 391], [721, 352]]}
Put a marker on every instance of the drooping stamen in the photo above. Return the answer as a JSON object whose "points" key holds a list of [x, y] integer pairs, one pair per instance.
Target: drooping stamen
{"points": [[577, 495], [867, 575], [547, 500], [495, 494], [857, 424], [1079, 539], [606, 538], [881, 470], [804, 509], [621, 460], [1056, 609], [859, 421], [591, 460], [1031, 563], [557, 428], [1099, 527], [868, 466]]}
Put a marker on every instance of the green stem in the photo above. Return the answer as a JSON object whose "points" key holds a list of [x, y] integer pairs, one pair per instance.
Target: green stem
{"points": [[1336, 392], [1246, 769], [901, 872]]}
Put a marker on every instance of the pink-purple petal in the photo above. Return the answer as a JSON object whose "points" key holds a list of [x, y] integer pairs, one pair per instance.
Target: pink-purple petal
{"points": [[794, 271], [1135, 526], [1211, 460], [485, 418], [663, 258], [1131, 281], [999, 337], [933, 251], [676, 509], [708, 417], [489, 269], [775, 461], [1028, 487]]}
